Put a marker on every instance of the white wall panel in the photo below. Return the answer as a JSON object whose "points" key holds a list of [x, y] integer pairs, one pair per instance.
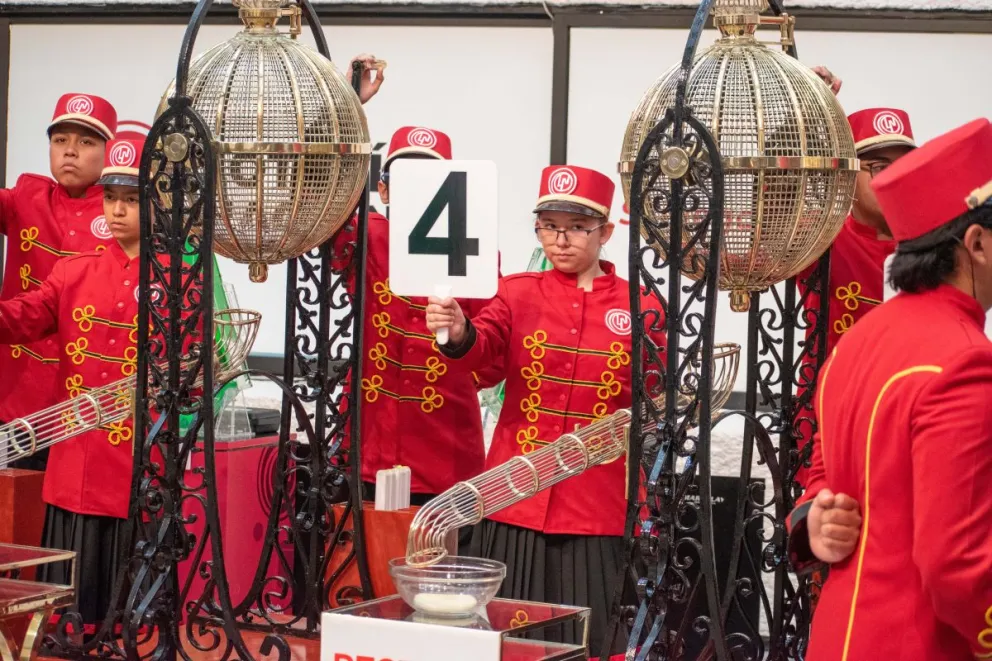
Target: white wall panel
{"points": [[488, 88], [935, 77]]}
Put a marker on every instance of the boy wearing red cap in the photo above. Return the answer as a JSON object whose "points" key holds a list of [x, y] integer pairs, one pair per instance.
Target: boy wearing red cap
{"points": [[905, 432], [564, 336], [88, 307], [857, 257], [415, 411], [45, 220]]}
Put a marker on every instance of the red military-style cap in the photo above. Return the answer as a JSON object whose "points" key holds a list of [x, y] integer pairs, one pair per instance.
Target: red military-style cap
{"points": [[122, 161], [87, 110], [938, 182], [140, 131], [419, 140], [876, 128], [575, 190]]}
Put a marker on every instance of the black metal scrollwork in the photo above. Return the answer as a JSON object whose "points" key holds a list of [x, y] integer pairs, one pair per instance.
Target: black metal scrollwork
{"points": [[306, 547], [688, 606]]}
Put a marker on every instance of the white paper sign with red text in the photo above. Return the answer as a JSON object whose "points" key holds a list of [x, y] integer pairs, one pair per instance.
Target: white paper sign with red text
{"points": [[355, 638]]}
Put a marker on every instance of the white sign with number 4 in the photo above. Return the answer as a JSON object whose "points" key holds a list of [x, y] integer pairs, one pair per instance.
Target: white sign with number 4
{"points": [[443, 228]]}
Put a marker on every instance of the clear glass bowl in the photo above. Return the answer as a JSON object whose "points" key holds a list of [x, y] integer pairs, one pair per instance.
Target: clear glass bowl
{"points": [[454, 587]]}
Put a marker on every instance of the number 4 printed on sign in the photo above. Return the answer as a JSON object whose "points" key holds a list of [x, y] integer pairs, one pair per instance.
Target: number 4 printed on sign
{"points": [[443, 228], [456, 245]]}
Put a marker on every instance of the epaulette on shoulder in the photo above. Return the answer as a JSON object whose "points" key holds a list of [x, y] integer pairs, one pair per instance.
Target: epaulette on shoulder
{"points": [[31, 179], [83, 256], [525, 274]]}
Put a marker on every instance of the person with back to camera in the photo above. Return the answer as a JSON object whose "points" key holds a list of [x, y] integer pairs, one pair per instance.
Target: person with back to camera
{"points": [[899, 501]]}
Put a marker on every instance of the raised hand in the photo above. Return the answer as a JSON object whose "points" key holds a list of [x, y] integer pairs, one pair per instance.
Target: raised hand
{"points": [[832, 81], [368, 87], [446, 313]]}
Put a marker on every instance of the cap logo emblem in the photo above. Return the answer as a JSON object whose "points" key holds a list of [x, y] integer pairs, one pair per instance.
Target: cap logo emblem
{"points": [[888, 123], [618, 321], [155, 294], [122, 154], [422, 138], [562, 182], [79, 105], [100, 228]]}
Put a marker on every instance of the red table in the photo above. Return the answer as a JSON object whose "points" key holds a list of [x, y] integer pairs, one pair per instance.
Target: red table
{"points": [[246, 472]]}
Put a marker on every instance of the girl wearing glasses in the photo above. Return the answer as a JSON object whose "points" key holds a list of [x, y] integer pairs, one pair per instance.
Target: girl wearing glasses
{"points": [[564, 339]]}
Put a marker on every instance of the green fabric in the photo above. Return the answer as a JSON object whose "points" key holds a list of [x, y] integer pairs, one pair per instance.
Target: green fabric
{"points": [[492, 398], [228, 392]]}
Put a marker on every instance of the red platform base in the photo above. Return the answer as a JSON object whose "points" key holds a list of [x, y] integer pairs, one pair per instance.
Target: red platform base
{"points": [[22, 512], [246, 472]]}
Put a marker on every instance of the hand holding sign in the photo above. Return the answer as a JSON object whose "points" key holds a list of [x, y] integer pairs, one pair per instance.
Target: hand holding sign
{"points": [[444, 314], [443, 231]]}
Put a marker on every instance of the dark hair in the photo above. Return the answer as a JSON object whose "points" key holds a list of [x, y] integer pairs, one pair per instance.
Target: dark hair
{"points": [[928, 261]]}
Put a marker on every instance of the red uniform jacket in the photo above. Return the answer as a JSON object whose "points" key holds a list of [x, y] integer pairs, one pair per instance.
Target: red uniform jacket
{"points": [[416, 411], [42, 224], [857, 278], [855, 287], [567, 358], [906, 429], [89, 305]]}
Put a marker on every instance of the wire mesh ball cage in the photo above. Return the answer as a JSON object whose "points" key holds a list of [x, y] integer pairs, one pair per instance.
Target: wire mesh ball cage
{"points": [[291, 139], [785, 144]]}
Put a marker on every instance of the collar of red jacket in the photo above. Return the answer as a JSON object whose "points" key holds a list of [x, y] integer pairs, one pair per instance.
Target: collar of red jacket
{"points": [[119, 254], [605, 281], [865, 230], [92, 191], [959, 300]]}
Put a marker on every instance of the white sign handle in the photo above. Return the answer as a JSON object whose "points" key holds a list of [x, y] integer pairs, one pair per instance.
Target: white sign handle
{"points": [[442, 292]]}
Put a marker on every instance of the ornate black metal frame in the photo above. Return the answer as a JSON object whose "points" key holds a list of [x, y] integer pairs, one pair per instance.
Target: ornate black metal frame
{"points": [[152, 615], [684, 600]]}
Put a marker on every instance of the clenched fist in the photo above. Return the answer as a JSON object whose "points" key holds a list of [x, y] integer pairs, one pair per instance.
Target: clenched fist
{"points": [[834, 525], [446, 313]]}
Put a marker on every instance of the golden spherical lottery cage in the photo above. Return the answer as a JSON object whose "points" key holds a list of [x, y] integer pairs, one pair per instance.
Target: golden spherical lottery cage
{"points": [[260, 152], [739, 168], [291, 139], [787, 152]]}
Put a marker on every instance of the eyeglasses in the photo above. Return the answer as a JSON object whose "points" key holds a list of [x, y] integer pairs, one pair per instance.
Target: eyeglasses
{"points": [[550, 234], [875, 168], [384, 177]]}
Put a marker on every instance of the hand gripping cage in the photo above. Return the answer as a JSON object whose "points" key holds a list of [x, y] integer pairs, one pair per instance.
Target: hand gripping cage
{"points": [[235, 329], [521, 477]]}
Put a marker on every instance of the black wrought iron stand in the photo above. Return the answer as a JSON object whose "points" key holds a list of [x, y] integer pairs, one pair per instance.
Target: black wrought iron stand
{"points": [[684, 599], [153, 616]]}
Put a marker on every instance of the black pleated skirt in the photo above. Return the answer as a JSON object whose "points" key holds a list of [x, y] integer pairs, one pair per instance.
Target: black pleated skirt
{"points": [[572, 570], [36, 462], [97, 542]]}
